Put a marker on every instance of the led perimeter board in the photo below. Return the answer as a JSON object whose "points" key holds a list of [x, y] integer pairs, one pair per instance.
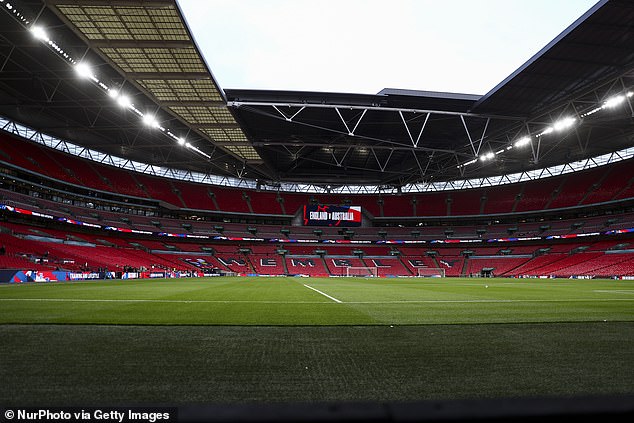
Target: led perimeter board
{"points": [[327, 215]]}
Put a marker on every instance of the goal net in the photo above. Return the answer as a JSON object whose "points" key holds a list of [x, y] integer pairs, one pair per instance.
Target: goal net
{"points": [[430, 272], [363, 272]]}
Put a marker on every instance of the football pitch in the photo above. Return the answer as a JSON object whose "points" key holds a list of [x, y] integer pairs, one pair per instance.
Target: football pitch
{"points": [[242, 340]]}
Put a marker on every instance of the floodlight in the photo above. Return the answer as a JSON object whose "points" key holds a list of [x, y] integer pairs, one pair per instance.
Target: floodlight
{"points": [[613, 102], [113, 94], [487, 156], [150, 120], [181, 141], [84, 71], [39, 33], [522, 142], [467, 163], [593, 111], [124, 101], [564, 123]]}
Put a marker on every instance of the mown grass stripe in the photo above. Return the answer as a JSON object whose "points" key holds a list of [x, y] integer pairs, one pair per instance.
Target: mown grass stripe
{"points": [[128, 300]]}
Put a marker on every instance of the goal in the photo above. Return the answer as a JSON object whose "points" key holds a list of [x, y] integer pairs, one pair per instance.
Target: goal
{"points": [[363, 272], [430, 272]]}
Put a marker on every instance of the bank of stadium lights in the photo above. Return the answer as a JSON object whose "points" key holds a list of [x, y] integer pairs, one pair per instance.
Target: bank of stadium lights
{"points": [[557, 126], [563, 124], [85, 71], [150, 120], [520, 143], [11, 8], [611, 103], [40, 34], [487, 156]]}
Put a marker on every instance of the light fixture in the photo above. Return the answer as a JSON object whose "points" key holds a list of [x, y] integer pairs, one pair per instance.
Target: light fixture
{"points": [[613, 102], [487, 156], [39, 33], [564, 123], [522, 142], [123, 101], [150, 121], [84, 71], [467, 163]]}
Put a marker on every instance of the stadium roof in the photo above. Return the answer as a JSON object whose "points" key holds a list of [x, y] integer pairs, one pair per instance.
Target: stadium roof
{"points": [[145, 50]]}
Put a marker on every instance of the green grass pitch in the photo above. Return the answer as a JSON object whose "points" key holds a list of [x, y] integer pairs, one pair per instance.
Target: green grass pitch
{"points": [[236, 340]]}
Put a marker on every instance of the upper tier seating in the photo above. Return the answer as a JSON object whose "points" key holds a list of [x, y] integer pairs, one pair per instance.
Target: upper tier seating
{"points": [[159, 189], [575, 188], [610, 184], [536, 196], [265, 203], [605, 183], [468, 202], [398, 205], [501, 199]]}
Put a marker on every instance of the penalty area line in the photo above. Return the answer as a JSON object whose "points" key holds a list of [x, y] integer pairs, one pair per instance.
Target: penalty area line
{"points": [[323, 293]]}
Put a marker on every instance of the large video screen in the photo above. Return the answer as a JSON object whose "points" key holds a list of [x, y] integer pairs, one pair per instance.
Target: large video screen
{"points": [[332, 216]]}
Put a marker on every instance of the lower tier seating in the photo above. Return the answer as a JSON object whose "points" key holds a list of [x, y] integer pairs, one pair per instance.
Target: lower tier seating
{"points": [[28, 247]]}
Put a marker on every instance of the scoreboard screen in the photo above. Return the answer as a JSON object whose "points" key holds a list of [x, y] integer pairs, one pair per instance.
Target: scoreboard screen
{"points": [[332, 216]]}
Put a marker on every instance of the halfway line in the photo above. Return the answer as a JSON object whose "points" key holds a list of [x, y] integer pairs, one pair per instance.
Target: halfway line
{"points": [[324, 294]]}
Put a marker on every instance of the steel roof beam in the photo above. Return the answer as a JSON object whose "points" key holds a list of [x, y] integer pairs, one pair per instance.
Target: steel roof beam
{"points": [[286, 144], [238, 104]]}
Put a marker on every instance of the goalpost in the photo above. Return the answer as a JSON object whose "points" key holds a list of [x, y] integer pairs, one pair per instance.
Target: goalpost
{"points": [[430, 272], [362, 272]]}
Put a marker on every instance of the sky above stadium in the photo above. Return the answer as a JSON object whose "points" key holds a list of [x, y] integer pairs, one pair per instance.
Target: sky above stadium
{"points": [[363, 46]]}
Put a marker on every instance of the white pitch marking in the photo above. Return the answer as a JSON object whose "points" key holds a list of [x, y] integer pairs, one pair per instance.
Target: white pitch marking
{"points": [[96, 300], [570, 300], [323, 293]]}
